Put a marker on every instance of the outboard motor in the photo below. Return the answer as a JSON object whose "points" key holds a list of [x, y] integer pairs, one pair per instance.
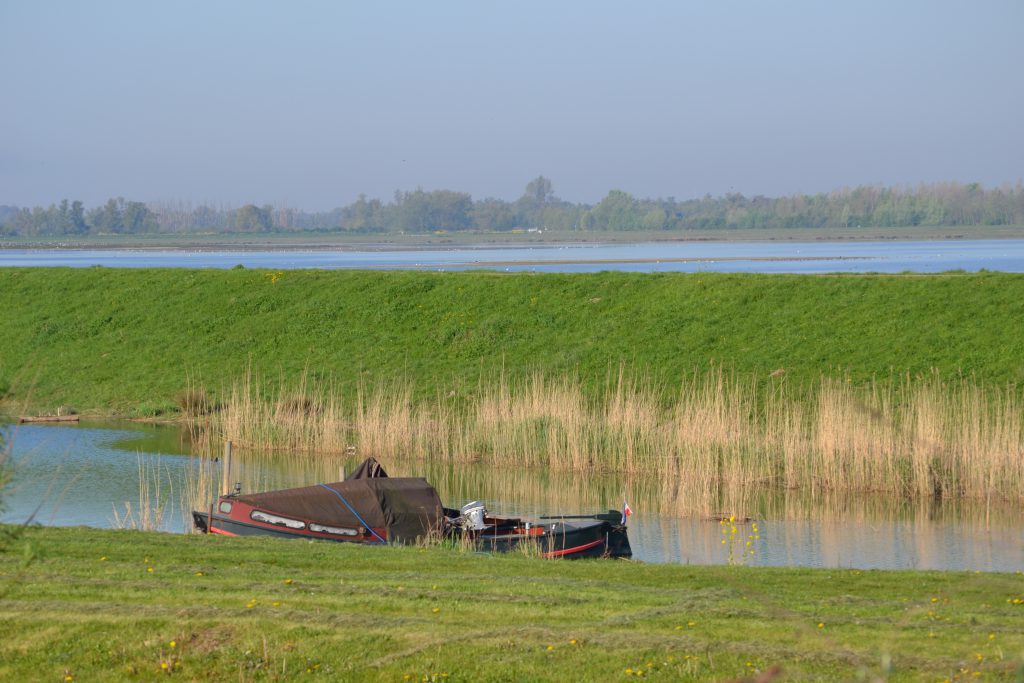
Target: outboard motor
{"points": [[473, 515]]}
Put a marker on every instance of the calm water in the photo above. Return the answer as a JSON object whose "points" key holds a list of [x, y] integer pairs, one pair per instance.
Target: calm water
{"points": [[81, 475], [738, 257]]}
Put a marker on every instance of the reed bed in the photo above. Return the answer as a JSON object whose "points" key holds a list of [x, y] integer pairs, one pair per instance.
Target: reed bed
{"points": [[715, 440]]}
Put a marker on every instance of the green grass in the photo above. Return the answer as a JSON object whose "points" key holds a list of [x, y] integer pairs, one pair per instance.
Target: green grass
{"points": [[106, 605], [126, 341]]}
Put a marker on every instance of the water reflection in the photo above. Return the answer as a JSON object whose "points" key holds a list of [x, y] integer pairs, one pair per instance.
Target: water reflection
{"points": [[80, 475]]}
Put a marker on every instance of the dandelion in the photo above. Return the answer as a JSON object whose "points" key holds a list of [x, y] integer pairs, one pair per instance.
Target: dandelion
{"points": [[150, 570], [573, 641], [69, 677], [199, 574], [436, 610], [287, 582], [691, 624], [821, 624], [991, 636], [275, 604], [103, 559], [550, 648], [173, 644], [163, 665]]}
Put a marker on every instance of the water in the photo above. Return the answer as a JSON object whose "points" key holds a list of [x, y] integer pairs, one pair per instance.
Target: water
{"points": [[68, 475], [732, 257]]}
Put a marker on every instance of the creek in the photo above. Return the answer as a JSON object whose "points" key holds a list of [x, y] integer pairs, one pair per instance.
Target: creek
{"points": [[110, 475]]}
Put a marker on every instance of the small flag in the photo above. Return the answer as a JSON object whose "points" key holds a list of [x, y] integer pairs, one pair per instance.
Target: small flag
{"points": [[626, 511]]}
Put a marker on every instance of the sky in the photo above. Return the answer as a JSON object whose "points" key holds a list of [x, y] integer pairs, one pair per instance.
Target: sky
{"points": [[309, 104]]}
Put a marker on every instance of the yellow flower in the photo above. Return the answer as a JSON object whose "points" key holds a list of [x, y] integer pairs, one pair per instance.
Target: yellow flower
{"points": [[173, 644], [573, 641], [103, 559], [551, 647], [69, 677], [436, 610], [199, 574], [150, 570], [821, 625], [287, 582], [163, 665]]}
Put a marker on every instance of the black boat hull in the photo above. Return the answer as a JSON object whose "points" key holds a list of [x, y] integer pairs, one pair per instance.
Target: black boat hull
{"points": [[574, 539]]}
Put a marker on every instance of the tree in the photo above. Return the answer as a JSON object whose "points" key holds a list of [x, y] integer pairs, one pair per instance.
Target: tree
{"points": [[78, 225], [538, 195], [421, 211], [493, 214], [251, 218], [107, 218], [136, 217], [617, 211]]}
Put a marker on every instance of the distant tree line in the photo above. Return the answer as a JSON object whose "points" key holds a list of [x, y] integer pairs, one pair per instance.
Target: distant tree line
{"points": [[420, 211]]}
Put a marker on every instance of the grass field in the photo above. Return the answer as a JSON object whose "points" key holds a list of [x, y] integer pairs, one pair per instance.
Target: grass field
{"points": [[116, 605], [114, 341]]}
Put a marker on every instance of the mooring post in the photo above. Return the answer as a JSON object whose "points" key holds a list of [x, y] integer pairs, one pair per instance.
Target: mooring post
{"points": [[225, 470]]}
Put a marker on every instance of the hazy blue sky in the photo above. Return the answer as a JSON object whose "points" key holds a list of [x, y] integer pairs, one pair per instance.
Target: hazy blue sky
{"points": [[312, 103]]}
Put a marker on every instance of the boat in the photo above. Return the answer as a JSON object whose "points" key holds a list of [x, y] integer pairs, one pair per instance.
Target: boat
{"points": [[371, 508]]}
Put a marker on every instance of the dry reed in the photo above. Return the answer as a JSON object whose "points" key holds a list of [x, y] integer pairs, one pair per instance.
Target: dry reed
{"points": [[718, 440]]}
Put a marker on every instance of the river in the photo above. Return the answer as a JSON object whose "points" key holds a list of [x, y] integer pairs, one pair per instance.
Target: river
{"points": [[890, 256]]}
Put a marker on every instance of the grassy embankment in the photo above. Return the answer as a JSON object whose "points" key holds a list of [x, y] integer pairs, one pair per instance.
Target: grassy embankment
{"points": [[835, 383], [112, 341], [136, 606]]}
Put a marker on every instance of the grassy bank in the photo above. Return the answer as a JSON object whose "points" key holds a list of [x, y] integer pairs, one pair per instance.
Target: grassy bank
{"points": [[137, 606], [123, 341]]}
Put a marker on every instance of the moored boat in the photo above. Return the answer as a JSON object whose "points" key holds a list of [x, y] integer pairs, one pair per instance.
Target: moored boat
{"points": [[370, 507]]}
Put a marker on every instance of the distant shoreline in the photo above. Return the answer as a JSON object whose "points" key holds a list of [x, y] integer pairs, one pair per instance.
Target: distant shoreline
{"points": [[315, 241]]}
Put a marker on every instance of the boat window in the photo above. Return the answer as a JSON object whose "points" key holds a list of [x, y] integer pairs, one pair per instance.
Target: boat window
{"points": [[338, 531], [225, 506], [279, 521]]}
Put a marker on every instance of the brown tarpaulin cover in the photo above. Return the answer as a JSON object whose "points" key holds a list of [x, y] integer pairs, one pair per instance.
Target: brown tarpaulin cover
{"points": [[407, 507], [367, 469]]}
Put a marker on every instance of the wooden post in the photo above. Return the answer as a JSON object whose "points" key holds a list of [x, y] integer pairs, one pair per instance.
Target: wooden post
{"points": [[225, 470]]}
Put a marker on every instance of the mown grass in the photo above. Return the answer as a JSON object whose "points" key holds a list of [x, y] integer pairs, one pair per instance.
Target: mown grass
{"points": [[115, 605], [132, 341]]}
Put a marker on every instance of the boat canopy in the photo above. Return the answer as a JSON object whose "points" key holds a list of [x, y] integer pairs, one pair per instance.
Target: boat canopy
{"points": [[408, 507]]}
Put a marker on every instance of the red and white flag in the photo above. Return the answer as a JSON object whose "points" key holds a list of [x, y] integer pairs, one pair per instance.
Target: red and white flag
{"points": [[626, 511]]}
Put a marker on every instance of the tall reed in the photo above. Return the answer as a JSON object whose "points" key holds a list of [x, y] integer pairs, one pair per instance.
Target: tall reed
{"points": [[152, 502], [717, 438]]}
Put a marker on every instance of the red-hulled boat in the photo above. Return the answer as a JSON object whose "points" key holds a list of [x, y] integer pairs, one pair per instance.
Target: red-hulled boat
{"points": [[371, 507]]}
